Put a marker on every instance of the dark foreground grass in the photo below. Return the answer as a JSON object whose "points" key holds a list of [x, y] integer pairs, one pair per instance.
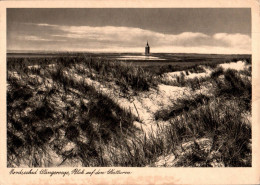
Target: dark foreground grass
{"points": [[53, 115], [223, 124], [57, 116], [220, 123], [219, 117]]}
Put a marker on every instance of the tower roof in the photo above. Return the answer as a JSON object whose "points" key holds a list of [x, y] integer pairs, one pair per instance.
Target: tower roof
{"points": [[147, 44]]}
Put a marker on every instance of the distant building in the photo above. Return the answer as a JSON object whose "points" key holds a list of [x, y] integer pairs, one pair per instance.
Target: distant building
{"points": [[147, 49]]}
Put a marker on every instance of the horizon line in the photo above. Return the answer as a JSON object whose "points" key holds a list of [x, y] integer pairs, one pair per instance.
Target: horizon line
{"points": [[64, 51]]}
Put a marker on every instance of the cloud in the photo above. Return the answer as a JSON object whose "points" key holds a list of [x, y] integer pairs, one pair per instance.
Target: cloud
{"points": [[130, 39], [45, 25], [234, 40], [40, 24], [129, 36], [38, 38], [32, 38]]}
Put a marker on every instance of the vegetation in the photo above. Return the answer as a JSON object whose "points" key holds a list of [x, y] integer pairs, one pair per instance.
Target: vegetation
{"points": [[60, 113]]}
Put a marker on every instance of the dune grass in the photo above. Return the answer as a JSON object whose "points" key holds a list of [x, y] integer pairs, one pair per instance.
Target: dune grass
{"points": [[50, 111], [33, 124]]}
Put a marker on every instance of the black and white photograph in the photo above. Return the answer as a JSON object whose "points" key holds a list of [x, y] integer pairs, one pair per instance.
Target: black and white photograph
{"points": [[129, 92], [128, 87]]}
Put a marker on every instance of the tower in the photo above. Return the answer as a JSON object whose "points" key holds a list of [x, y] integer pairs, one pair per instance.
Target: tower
{"points": [[147, 49]]}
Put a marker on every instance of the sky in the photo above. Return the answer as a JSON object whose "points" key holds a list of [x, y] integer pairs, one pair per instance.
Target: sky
{"points": [[168, 30]]}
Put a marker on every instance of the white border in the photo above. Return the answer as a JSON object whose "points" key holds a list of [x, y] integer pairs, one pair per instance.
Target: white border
{"points": [[141, 175]]}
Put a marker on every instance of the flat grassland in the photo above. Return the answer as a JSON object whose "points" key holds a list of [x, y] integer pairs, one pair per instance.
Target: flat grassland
{"points": [[184, 110]]}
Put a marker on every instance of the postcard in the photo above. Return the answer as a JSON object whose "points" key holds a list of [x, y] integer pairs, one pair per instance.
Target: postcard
{"points": [[129, 92]]}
